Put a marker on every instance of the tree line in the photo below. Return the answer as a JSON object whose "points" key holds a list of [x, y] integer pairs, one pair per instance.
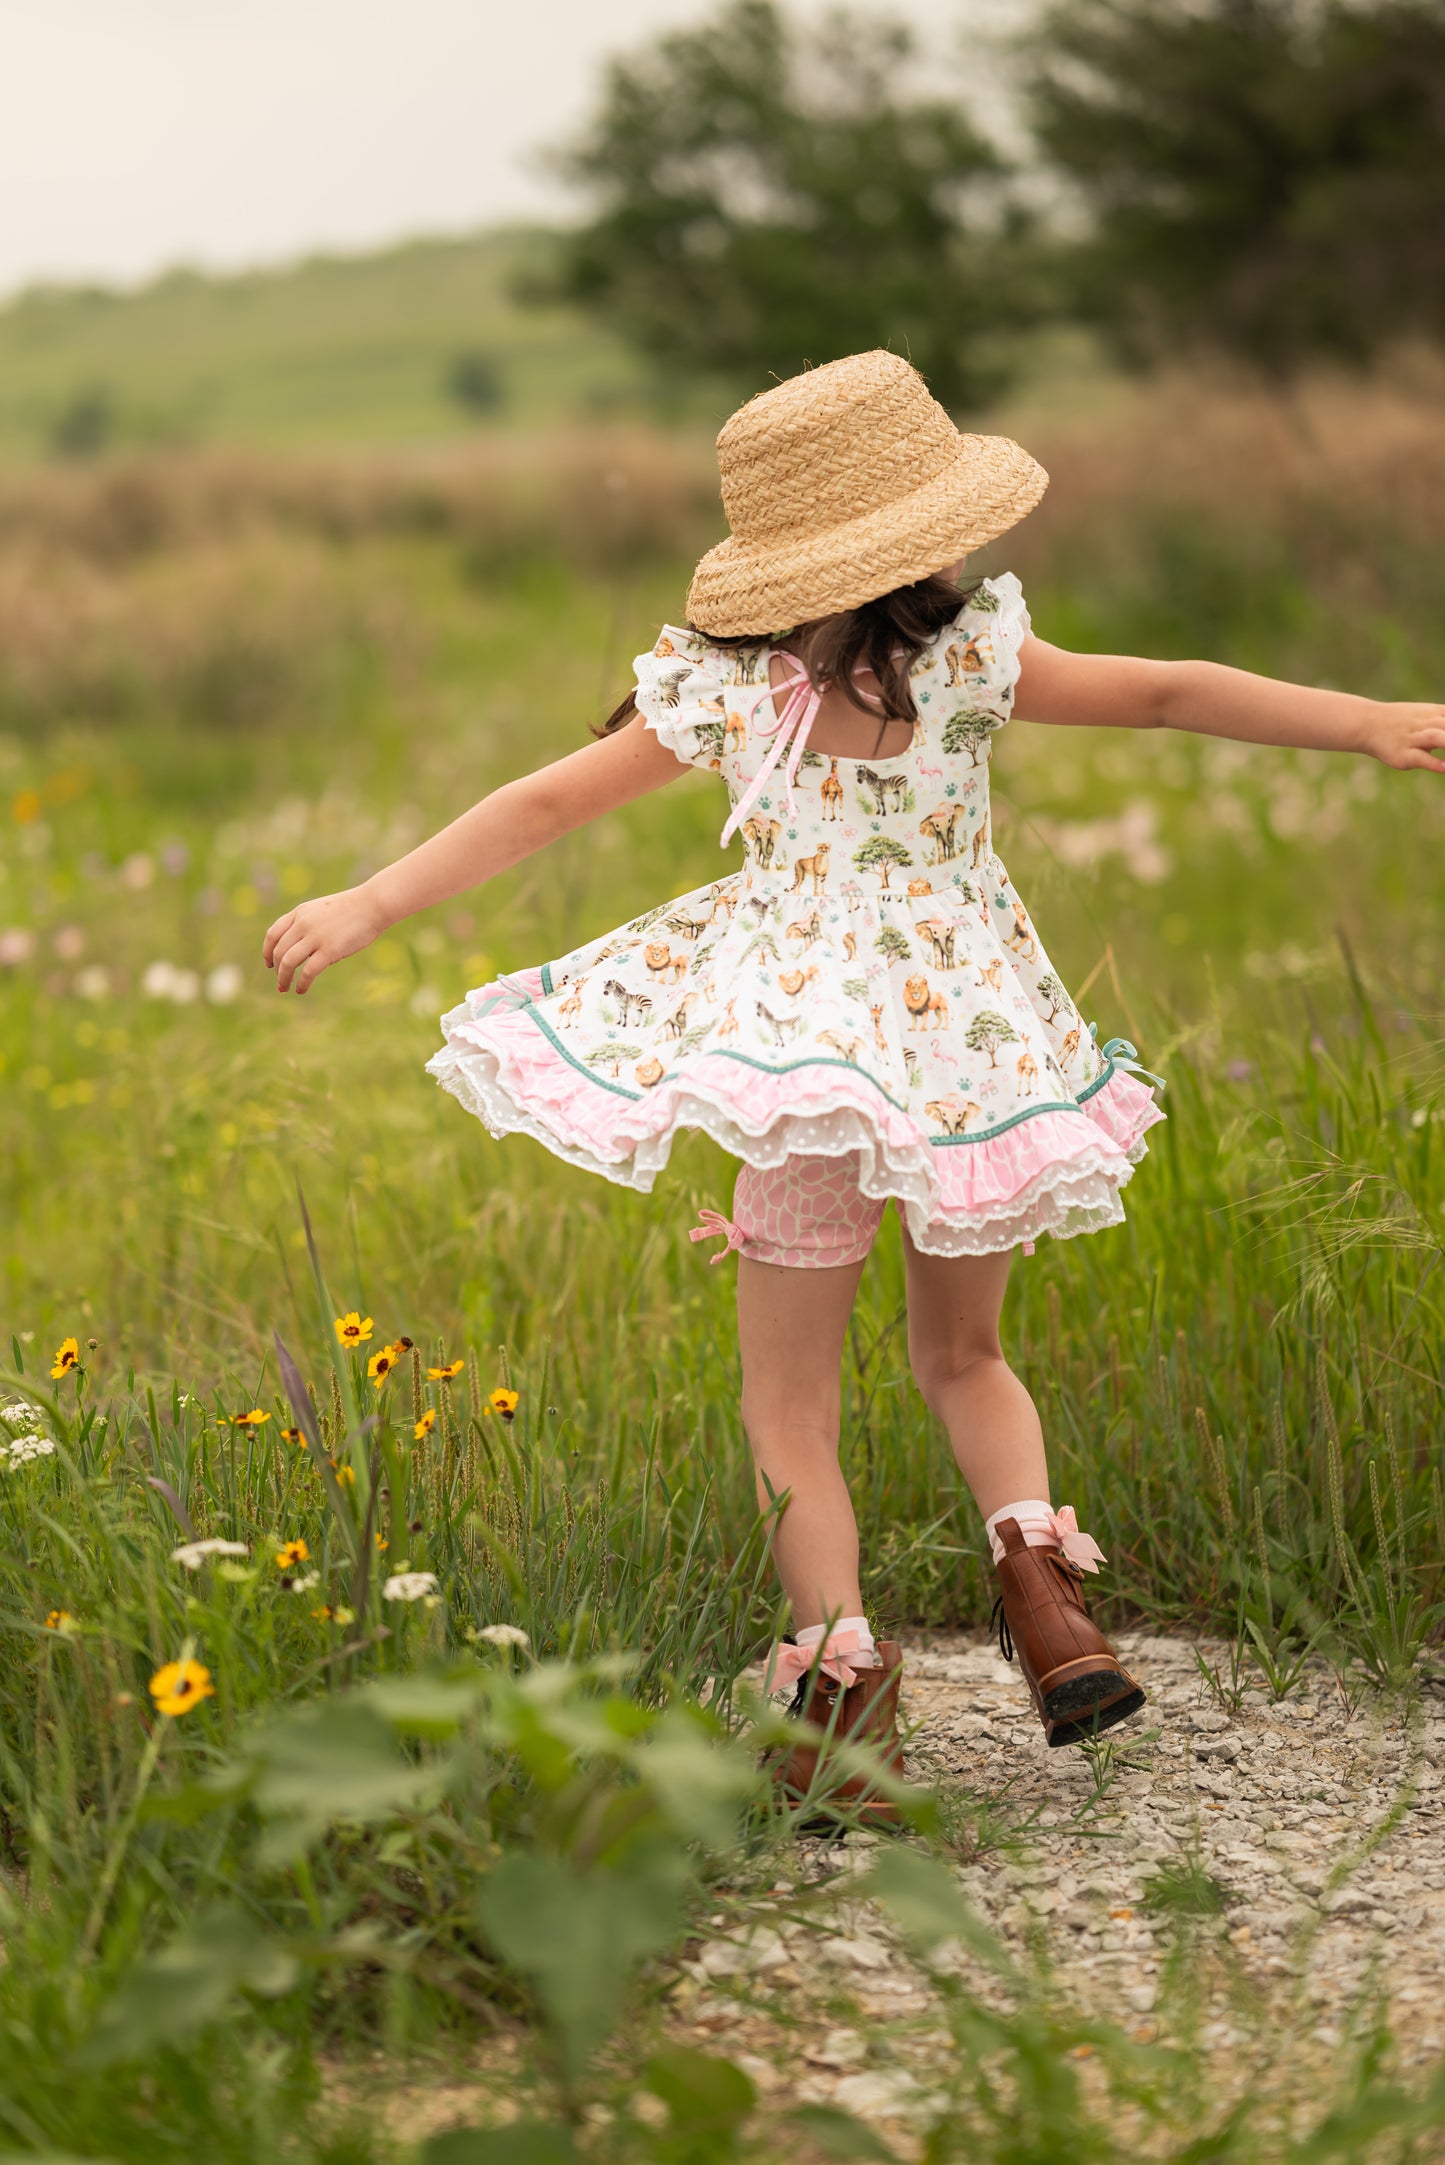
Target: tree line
{"points": [[1259, 178]]}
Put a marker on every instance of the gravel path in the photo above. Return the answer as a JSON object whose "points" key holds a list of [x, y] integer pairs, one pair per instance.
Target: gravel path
{"points": [[1322, 1830]]}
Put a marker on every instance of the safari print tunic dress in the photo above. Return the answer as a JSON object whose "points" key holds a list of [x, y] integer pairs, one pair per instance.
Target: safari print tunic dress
{"points": [[868, 980]]}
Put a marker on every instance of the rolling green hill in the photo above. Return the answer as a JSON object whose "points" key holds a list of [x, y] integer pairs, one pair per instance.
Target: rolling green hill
{"points": [[331, 351]]}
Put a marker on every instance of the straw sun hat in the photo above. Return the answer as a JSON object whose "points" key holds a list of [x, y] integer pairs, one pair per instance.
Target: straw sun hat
{"points": [[843, 483]]}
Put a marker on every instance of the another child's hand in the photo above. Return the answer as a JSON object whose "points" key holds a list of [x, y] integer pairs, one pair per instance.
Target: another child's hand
{"points": [[308, 939], [1402, 734]]}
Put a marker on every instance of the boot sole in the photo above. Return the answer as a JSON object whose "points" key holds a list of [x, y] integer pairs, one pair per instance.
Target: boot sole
{"points": [[1085, 1706]]}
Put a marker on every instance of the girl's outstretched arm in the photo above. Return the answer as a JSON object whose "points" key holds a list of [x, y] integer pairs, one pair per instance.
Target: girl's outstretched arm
{"points": [[512, 823], [1117, 691]]}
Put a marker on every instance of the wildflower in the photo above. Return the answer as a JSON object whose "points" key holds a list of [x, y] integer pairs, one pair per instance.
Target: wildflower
{"points": [[346, 1475], [302, 1583], [254, 1419], [293, 1552], [426, 1424], [409, 1586], [380, 1366], [446, 1373], [325, 1614], [401, 1345], [194, 1553], [353, 1329], [23, 1449], [224, 984], [59, 1620], [179, 1685], [291, 1435], [502, 1635], [504, 1403], [382, 1543], [67, 1356]]}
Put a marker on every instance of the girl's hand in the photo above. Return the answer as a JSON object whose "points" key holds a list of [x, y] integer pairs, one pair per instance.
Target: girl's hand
{"points": [[308, 939], [1405, 735]]}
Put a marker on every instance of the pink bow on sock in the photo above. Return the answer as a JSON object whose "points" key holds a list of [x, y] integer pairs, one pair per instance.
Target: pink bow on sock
{"points": [[714, 1224], [1081, 1549], [787, 1663]]}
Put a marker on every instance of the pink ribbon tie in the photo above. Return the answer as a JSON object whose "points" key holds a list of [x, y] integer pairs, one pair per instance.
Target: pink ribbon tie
{"points": [[787, 1663], [789, 732], [1080, 1548], [714, 1225]]}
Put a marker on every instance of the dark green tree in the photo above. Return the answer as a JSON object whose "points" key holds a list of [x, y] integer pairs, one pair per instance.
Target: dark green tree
{"points": [[1262, 176], [767, 197]]}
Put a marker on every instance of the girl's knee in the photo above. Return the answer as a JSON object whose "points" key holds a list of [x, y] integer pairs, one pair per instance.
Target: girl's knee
{"points": [[941, 1369]]}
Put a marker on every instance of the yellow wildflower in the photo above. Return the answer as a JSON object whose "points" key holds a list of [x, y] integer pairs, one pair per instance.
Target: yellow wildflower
{"points": [[400, 1346], [380, 1366], [327, 1615], [445, 1373], [290, 1435], [59, 1620], [294, 1552], [426, 1424], [179, 1685], [254, 1419], [381, 1541], [353, 1329], [346, 1475], [504, 1403], [67, 1356]]}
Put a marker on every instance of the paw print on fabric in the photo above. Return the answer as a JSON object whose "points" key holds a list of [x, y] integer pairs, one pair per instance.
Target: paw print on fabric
{"points": [[950, 789]]}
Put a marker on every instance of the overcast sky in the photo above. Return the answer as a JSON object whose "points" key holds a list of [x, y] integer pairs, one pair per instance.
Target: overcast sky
{"points": [[138, 134]]}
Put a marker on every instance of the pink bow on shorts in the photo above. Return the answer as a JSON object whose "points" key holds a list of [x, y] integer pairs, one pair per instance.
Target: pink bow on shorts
{"points": [[715, 1225]]}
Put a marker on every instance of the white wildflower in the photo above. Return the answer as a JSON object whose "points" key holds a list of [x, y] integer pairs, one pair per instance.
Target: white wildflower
{"points": [[224, 984], [23, 1449], [194, 1553], [409, 1585], [93, 982], [303, 1583], [502, 1635]]}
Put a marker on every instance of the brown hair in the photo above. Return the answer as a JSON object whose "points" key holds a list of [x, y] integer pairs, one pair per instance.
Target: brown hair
{"points": [[885, 636]]}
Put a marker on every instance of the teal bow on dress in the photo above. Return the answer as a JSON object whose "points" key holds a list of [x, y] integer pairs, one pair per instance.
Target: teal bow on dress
{"points": [[1125, 1056]]}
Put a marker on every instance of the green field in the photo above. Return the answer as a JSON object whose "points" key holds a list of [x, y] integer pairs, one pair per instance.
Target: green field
{"points": [[227, 684], [339, 350]]}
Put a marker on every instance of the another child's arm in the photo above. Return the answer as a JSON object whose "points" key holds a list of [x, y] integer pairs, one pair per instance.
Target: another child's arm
{"points": [[512, 823], [1120, 692]]}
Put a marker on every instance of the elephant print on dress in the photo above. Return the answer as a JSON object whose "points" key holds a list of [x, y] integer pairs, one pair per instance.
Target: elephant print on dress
{"points": [[761, 836], [940, 827], [952, 1113], [940, 936]]}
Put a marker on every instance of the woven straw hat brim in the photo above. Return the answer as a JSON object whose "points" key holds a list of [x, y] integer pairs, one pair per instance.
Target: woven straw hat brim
{"points": [[741, 587]]}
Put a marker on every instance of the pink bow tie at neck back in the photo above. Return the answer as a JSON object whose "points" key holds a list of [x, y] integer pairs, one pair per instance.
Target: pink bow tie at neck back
{"points": [[787, 1663], [789, 732], [713, 1225]]}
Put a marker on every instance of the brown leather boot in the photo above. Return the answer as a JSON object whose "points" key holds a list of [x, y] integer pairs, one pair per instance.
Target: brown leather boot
{"points": [[1078, 1683], [866, 1712]]}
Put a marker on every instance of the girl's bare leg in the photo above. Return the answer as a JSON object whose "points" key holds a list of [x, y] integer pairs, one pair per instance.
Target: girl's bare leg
{"points": [[791, 1328], [958, 1365]]}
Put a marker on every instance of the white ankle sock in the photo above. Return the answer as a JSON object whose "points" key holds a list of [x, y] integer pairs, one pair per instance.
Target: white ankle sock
{"points": [[1036, 1524], [811, 1637]]}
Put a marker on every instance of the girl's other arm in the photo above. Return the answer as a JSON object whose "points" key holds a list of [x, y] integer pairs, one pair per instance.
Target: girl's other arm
{"points": [[512, 823], [1116, 691]]}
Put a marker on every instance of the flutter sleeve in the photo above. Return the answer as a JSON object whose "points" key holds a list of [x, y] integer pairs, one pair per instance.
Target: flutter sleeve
{"points": [[680, 695], [974, 666]]}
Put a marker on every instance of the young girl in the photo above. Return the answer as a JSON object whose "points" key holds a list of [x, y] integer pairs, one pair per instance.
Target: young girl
{"points": [[863, 1009]]}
